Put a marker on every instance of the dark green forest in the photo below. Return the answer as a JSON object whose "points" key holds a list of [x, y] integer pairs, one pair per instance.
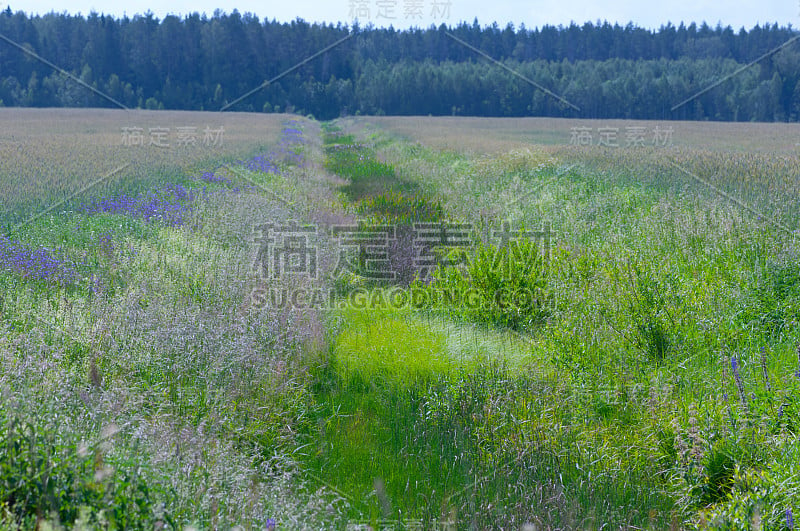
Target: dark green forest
{"points": [[207, 63]]}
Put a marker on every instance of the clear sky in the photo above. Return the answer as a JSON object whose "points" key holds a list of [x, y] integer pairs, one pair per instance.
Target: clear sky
{"points": [[404, 13]]}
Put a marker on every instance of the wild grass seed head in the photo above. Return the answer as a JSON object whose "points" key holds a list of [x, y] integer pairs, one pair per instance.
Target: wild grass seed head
{"points": [[738, 379]]}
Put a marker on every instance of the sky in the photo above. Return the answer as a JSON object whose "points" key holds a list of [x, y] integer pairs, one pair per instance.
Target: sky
{"points": [[404, 13]]}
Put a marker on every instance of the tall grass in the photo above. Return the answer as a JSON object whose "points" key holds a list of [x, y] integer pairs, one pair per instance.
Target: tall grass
{"points": [[656, 388], [148, 392], [658, 282], [500, 286]]}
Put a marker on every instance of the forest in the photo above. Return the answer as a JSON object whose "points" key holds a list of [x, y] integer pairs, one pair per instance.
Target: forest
{"points": [[237, 62]]}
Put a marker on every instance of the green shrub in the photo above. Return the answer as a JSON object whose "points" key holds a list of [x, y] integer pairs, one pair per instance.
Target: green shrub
{"points": [[42, 476], [355, 162], [719, 465], [500, 286]]}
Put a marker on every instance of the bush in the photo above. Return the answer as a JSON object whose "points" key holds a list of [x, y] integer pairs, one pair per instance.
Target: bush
{"points": [[42, 476], [500, 286]]}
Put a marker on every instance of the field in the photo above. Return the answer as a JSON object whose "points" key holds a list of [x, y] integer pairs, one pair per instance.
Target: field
{"points": [[408, 323]]}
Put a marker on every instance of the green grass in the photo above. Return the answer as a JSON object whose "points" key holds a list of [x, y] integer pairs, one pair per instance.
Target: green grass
{"points": [[656, 388], [399, 209], [145, 393], [436, 409], [654, 289], [500, 286], [357, 163], [388, 373]]}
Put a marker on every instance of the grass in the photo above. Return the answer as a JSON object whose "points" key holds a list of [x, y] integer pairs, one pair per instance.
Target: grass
{"points": [[500, 286], [500, 135], [656, 388], [655, 287], [65, 157], [399, 209], [390, 434], [151, 363]]}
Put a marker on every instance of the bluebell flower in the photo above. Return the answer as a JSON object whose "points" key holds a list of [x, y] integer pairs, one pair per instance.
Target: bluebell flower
{"points": [[211, 177], [36, 264], [290, 137], [170, 204]]}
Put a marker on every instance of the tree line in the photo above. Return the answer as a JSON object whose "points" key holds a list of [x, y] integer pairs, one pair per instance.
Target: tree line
{"points": [[594, 70]]}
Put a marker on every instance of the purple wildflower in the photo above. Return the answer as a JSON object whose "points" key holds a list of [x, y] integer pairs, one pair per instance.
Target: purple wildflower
{"points": [[36, 264], [95, 285], [293, 133], [106, 246], [170, 204], [211, 177], [262, 164], [789, 519], [291, 136], [270, 523]]}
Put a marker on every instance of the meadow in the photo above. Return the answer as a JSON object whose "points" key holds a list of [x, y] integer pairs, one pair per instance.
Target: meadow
{"points": [[608, 338]]}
